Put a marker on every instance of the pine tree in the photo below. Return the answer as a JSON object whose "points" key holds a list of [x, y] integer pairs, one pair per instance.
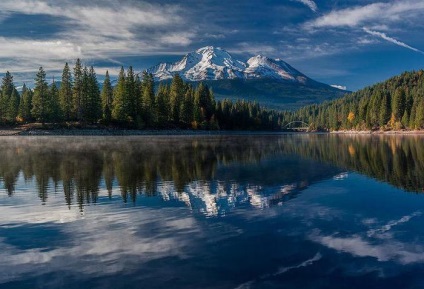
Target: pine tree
{"points": [[107, 98], [398, 104], [203, 103], [6, 90], [94, 103], [384, 111], [419, 118], [187, 107], [176, 96], [119, 98], [84, 109], [13, 106], [25, 104], [148, 99], [162, 106], [413, 115], [138, 98], [130, 93], [55, 113], [40, 99], [77, 90], [65, 94]]}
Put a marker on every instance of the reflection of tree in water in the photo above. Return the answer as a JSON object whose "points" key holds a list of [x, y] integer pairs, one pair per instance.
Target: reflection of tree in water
{"points": [[79, 167], [398, 160], [140, 166]]}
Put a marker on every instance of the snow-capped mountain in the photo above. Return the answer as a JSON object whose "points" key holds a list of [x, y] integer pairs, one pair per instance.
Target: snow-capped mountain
{"points": [[271, 82], [214, 63]]}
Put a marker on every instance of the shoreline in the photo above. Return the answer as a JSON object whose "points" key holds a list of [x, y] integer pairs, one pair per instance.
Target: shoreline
{"points": [[170, 132], [128, 132], [378, 132]]}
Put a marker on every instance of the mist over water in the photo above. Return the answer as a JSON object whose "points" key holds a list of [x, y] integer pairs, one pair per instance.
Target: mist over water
{"points": [[265, 211]]}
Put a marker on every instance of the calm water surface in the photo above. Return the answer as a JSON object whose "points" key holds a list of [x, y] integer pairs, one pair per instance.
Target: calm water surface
{"points": [[293, 211]]}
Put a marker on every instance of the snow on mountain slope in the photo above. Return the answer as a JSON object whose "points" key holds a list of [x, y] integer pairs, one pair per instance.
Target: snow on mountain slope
{"points": [[207, 63], [263, 67], [210, 63]]}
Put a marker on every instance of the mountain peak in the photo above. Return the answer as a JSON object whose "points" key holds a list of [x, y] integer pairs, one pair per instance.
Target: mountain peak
{"points": [[208, 49], [214, 63]]}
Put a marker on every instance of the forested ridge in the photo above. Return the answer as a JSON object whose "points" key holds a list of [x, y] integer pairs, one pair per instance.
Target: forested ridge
{"points": [[132, 102], [395, 104]]}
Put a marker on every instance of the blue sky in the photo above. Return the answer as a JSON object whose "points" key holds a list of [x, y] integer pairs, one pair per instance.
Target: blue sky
{"points": [[353, 43]]}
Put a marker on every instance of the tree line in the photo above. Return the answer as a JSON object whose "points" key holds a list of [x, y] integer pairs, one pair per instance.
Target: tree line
{"points": [[397, 103], [133, 101]]}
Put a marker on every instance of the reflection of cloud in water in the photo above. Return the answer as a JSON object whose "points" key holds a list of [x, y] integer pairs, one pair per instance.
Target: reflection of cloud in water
{"points": [[341, 176], [391, 224], [385, 249], [280, 271], [103, 239]]}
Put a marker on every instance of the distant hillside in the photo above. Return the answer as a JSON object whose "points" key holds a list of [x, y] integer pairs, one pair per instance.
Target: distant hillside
{"points": [[274, 94], [397, 103]]}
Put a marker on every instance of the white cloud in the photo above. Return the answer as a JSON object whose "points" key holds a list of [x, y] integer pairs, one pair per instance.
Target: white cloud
{"points": [[342, 87], [390, 39], [310, 3], [360, 15], [253, 48], [366, 41], [92, 32]]}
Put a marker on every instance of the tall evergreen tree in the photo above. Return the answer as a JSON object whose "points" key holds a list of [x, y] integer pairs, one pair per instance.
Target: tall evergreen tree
{"points": [[85, 109], [162, 105], [187, 107], [65, 94], [40, 100], [130, 94], [398, 104], [107, 98], [148, 99], [6, 90], [139, 98], [13, 106], [176, 96], [77, 90], [25, 104], [119, 98], [384, 111], [204, 105], [55, 114], [419, 117], [94, 106]]}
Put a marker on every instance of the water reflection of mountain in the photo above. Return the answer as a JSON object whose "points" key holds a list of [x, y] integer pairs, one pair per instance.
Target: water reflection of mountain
{"points": [[209, 174], [220, 198]]}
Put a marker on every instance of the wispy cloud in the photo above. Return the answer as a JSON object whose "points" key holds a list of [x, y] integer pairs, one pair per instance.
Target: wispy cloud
{"points": [[360, 15], [392, 40], [92, 32], [342, 87], [310, 3]]}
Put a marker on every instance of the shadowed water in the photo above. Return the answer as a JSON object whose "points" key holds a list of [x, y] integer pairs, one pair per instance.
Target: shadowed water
{"points": [[278, 211]]}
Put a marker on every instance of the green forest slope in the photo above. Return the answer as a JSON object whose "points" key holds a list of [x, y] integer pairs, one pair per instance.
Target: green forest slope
{"points": [[395, 104]]}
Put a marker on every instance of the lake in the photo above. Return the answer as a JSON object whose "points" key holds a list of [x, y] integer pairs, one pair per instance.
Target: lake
{"points": [[230, 211]]}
